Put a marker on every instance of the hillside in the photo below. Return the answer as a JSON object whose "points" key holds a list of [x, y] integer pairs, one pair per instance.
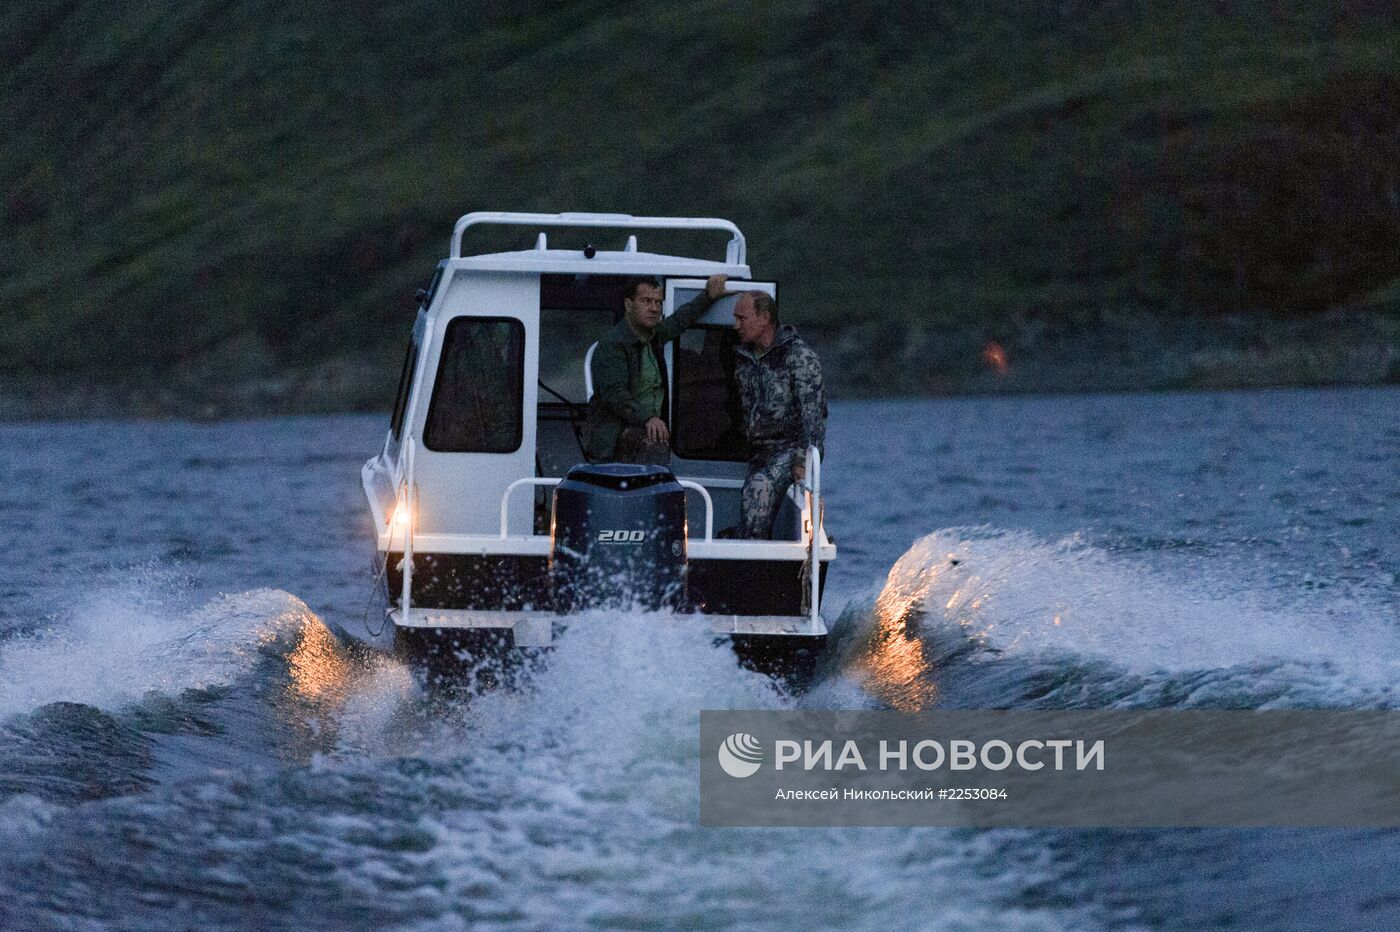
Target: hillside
{"points": [[231, 203]]}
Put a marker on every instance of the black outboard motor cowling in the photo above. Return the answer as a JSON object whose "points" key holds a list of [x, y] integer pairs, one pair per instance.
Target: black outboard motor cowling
{"points": [[618, 538]]}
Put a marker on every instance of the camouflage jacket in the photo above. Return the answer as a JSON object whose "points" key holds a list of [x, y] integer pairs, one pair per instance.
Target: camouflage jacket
{"points": [[781, 395]]}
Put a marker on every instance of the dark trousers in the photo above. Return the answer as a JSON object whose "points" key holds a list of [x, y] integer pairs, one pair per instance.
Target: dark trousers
{"points": [[634, 447]]}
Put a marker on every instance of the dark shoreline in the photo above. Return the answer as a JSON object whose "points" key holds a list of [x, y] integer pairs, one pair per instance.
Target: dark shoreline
{"points": [[1104, 351], [1133, 354]]}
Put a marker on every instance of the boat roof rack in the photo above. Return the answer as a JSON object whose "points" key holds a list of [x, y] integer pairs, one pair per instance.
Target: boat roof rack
{"points": [[734, 254]]}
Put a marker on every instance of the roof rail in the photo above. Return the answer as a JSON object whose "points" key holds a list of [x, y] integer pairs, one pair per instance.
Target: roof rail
{"points": [[734, 254]]}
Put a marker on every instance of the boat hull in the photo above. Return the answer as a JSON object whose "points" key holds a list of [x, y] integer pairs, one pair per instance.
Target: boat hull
{"points": [[522, 583]]}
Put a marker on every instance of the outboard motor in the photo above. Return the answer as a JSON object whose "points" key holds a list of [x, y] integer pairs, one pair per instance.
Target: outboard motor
{"points": [[618, 538]]}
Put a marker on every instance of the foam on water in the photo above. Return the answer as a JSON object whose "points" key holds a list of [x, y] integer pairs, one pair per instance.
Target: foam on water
{"points": [[616, 684], [574, 801], [965, 599], [580, 789], [126, 639], [570, 801]]}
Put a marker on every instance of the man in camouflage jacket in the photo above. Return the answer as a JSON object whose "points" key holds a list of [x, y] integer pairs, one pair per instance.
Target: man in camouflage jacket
{"points": [[780, 392]]}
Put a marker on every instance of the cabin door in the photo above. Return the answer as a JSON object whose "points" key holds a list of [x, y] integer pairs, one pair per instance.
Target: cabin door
{"points": [[478, 385], [707, 440], [701, 367]]}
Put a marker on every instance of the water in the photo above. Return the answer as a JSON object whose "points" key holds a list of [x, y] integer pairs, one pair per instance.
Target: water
{"points": [[185, 744]]}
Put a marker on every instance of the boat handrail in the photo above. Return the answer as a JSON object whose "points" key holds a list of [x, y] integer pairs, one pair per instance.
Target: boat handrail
{"points": [[813, 484], [505, 497], [538, 480], [734, 254], [709, 506], [410, 512]]}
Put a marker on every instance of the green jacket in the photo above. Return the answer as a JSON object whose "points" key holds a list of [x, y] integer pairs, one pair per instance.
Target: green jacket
{"points": [[617, 370]]}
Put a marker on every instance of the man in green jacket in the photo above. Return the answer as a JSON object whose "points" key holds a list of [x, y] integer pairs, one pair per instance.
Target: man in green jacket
{"points": [[627, 413]]}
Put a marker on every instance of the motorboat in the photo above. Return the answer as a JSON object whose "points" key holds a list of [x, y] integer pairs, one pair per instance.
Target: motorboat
{"points": [[495, 533]]}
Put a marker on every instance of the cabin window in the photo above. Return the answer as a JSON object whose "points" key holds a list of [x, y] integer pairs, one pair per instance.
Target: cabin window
{"points": [[575, 312], [565, 337], [706, 422], [479, 390], [426, 295], [410, 362], [410, 356]]}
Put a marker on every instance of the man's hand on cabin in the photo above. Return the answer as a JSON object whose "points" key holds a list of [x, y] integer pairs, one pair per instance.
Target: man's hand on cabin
{"points": [[656, 429], [715, 287]]}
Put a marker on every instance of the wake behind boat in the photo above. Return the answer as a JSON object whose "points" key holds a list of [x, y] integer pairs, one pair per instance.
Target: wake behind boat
{"points": [[493, 527]]}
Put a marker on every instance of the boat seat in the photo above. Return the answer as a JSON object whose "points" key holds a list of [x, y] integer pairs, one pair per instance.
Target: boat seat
{"points": [[588, 371]]}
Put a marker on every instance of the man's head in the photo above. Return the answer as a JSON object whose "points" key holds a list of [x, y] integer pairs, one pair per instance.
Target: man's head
{"points": [[641, 303], [756, 318]]}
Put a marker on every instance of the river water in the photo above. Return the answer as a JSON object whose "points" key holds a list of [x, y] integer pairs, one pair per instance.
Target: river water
{"points": [[186, 743]]}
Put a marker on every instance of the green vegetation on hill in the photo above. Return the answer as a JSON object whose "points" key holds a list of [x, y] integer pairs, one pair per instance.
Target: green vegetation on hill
{"points": [[245, 193]]}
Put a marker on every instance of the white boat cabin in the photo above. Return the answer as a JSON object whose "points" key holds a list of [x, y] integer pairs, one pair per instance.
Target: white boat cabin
{"points": [[495, 386]]}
